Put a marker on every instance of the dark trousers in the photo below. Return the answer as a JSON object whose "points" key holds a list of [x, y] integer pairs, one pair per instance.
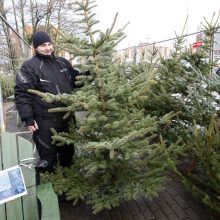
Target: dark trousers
{"points": [[47, 151]]}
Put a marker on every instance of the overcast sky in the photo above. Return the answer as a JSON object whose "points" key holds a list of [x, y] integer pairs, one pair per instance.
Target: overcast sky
{"points": [[155, 20]]}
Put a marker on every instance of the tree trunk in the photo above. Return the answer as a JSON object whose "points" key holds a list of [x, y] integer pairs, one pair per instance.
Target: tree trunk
{"points": [[6, 30]]}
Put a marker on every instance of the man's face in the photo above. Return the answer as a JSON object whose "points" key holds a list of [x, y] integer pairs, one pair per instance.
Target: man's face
{"points": [[45, 48]]}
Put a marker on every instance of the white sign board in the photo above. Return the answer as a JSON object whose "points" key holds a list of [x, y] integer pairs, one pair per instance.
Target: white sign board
{"points": [[12, 184]]}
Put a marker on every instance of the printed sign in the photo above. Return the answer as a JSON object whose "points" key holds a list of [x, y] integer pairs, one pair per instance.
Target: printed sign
{"points": [[12, 184]]}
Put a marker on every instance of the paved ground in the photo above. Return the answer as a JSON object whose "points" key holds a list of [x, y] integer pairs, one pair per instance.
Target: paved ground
{"points": [[172, 204]]}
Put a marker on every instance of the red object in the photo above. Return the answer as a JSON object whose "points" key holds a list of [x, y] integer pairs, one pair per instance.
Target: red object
{"points": [[197, 44]]}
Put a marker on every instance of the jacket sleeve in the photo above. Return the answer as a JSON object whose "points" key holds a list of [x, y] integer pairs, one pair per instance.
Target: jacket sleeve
{"points": [[74, 73], [25, 79]]}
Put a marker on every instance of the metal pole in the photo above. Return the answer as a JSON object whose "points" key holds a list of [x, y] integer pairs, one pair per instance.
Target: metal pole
{"points": [[1, 111], [3, 19]]}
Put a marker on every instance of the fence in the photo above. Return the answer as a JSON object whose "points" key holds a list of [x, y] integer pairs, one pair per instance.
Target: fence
{"points": [[14, 50], [14, 151]]}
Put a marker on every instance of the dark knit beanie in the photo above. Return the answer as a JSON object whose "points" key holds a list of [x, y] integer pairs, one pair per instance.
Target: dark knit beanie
{"points": [[39, 38]]}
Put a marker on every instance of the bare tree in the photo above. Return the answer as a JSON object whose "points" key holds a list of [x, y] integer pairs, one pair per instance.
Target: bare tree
{"points": [[64, 17], [15, 15], [33, 15], [21, 6], [6, 30], [40, 12], [51, 7]]}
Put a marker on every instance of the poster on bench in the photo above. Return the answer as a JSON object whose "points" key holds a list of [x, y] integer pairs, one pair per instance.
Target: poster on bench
{"points": [[12, 184]]}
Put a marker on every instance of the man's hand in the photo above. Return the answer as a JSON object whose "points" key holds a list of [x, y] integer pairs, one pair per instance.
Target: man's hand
{"points": [[33, 127]]}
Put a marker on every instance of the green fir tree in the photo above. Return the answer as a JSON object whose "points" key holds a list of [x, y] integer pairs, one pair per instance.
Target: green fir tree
{"points": [[120, 155], [187, 85], [201, 175]]}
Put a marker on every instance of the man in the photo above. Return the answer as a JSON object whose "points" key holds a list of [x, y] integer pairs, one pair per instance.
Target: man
{"points": [[46, 73]]}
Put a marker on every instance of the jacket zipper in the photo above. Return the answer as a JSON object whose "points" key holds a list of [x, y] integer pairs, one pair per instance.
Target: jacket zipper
{"points": [[58, 89]]}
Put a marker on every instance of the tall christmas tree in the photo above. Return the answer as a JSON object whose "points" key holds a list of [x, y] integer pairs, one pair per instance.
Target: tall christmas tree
{"points": [[201, 176], [188, 85], [119, 155]]}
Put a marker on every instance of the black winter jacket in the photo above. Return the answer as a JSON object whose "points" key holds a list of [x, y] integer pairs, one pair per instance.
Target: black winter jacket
{"points": [[46, 74]]}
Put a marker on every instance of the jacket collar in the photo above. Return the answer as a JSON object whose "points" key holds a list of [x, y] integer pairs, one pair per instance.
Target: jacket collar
{"points": [[46, 57]]}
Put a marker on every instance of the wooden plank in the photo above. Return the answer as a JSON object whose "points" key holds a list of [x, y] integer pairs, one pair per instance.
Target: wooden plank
{"points": [[30, 206], [9, 150], [9, 159], [2, 207], [49, 202]]}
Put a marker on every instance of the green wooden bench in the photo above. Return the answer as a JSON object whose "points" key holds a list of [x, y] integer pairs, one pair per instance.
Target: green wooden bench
{"points": [[13, 151]]}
